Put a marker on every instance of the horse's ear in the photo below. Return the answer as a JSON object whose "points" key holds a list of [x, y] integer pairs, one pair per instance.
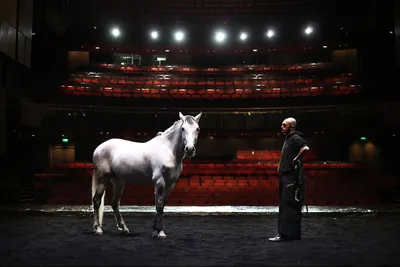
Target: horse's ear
{"points": [[198, 116], [181, 116]]}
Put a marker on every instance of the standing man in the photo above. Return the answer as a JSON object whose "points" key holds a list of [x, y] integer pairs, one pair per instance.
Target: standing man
{"points": [[290, 215]]}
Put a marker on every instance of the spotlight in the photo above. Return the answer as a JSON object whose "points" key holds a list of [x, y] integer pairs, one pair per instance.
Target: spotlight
{"points": [[179, 36], [115, 32], [270, 33], [154, 34], [220, 36], [243, 36], [308, 30]]}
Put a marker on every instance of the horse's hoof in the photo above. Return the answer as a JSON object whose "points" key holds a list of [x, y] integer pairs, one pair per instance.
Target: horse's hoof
{"points": [[126, 232], [161, 234], [98, 231], [157, 234]]}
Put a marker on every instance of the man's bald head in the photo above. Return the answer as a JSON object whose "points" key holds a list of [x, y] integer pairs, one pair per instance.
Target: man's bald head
{"points": [[288, 125], [291, 121]]}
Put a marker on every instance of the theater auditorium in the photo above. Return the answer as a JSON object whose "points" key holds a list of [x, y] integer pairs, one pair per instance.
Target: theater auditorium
{"points": [[74, 74]]}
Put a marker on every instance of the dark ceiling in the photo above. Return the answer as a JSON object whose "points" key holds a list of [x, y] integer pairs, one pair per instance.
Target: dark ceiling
{"points": [[191, 12], [141, 13], [89, 21]]}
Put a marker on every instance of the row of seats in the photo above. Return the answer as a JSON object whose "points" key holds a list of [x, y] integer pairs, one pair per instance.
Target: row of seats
{"points": [[321, 182], [255, 79], [201, 180], [233, 199], [267, 155], [236, 167], [229, 69], [208, 93], [317, 183], [327, 189]]}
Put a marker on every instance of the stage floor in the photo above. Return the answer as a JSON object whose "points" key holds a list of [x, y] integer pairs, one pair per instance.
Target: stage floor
{"points": [[197, 210], [50, 237]]}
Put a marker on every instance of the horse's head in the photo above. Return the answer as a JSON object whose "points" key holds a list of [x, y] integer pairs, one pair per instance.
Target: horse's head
{"points": [[190, 132]]}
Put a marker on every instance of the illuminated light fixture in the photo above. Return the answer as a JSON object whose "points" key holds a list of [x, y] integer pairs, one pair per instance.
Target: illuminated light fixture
{"points": [[179, 36], [220, 36], [363, 138], [270, 33], [255, 50], [243, 36], [154, 34], [324, 46], [115, 32], [166, 50], [308, 30], [97, 48], [65, 140]]}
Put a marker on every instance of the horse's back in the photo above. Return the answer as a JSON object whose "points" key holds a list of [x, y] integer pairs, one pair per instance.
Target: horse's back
{"points": [[126, 159], [104, 152]]}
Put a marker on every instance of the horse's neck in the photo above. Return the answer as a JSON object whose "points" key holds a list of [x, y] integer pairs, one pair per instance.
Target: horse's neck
{"points": [[174, 139]]}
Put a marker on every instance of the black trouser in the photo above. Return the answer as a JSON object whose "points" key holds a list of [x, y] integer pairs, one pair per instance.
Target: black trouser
{"points": [[289, 221]]}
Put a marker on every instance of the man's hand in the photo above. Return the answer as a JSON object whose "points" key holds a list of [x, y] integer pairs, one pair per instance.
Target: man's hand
{"points": [[295, 163]]}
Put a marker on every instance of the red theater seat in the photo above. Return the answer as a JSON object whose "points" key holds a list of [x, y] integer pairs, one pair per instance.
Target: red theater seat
{"points": [[249, 85], [220, 184]]}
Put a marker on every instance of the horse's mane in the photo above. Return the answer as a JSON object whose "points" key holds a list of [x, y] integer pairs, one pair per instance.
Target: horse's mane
{"points": [[174, 126], [171, 128]]}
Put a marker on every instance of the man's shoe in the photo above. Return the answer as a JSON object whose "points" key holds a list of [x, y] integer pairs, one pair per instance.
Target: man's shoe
{"points": [[277, 238], [280, 238]]}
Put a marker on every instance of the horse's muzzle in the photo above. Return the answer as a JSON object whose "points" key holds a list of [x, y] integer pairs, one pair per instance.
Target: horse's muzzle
{"points": [[190, 151]]}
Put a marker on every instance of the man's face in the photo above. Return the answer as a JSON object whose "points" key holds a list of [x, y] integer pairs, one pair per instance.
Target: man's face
{"points": [[285, 127]]}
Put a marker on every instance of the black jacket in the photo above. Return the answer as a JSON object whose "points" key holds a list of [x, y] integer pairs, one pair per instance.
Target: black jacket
{"points": [[293, 143]]}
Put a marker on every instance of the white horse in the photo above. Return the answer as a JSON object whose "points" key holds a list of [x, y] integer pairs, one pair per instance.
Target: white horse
{"points": [[157, 161]]}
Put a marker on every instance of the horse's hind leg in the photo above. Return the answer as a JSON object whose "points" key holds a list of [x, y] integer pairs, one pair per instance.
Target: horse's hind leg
{"points": [[158, 221], [98, 191], [118, 190]]}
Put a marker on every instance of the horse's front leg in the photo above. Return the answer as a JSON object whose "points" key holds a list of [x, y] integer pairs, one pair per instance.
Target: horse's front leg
{"points": [[158, 221]]}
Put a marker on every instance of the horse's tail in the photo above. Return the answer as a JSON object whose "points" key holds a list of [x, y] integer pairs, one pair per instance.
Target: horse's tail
{"points": [[95, 186]]}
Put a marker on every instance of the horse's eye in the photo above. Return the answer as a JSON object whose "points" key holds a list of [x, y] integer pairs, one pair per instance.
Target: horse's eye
{"points": [[198, 129], [183, 129]]}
